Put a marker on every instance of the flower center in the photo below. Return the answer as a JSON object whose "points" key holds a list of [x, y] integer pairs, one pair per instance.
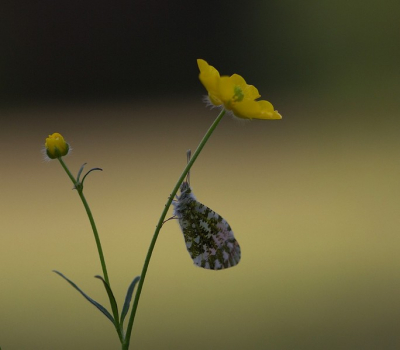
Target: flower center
{"points": [[238, 94]]}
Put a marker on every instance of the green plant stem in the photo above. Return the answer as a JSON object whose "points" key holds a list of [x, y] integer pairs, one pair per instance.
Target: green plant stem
{"points": [[92, 223], [125, 345], [79, 188]]}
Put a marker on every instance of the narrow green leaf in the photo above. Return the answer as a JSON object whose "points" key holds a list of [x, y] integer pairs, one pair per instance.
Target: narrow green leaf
{"points": [[113, 302], [80, 172], [128, 298], [95, 303], [89, 173]]}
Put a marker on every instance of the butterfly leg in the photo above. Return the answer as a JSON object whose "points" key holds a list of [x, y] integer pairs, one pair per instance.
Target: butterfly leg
{"points": [[171, 218]]}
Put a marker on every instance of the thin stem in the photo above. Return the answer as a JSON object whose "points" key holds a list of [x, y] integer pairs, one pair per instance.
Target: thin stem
{"points": [[92, 223], [125, 345], [78, 186], [96, 237]]}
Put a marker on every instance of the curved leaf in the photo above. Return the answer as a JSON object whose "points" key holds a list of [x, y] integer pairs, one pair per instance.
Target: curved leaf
{"points": [[80, 172], [89, 173], [95, 303], [128, 298], [113, 302]]}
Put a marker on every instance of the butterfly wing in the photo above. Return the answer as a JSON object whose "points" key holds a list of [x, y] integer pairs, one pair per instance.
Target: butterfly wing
{"points": [[209, 238]]}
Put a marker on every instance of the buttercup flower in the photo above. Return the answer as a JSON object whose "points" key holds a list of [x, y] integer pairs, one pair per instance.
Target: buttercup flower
{"points": [[56, 146], [235, 94]]}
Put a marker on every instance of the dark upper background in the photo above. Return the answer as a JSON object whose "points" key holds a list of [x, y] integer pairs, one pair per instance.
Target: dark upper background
{"points": [[74, 50]]}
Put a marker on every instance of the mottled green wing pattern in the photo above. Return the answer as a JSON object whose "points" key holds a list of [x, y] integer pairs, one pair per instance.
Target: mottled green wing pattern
{"points": [[209, 238]]}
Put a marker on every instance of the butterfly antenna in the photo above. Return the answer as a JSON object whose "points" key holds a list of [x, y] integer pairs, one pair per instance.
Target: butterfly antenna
{"points": [[188, 155]]}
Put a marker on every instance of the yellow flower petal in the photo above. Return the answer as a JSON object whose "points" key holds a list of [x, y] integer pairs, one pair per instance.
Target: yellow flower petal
{"points": [[226, 91], [255, 110], [267, 111], [237, 79], [208, 76], [250, 92]]}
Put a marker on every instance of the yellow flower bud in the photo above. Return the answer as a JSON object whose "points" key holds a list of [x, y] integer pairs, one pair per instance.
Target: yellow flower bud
{"points": [[56, 146], [234, 94]]}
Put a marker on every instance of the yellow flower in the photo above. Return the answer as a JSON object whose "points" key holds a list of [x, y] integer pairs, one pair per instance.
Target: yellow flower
{"points": [[56, 146], [235, 94]]}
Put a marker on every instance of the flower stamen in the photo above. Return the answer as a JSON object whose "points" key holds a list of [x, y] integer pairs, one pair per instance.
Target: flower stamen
{"points": [[239, 95]]}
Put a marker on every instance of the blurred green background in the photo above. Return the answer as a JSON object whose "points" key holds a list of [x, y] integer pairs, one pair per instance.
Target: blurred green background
{"points": [[313, 199]]}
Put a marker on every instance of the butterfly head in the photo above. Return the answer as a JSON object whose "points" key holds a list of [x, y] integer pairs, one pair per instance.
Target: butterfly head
{"points": [[185, 188], [186, 191], [185, 196]]}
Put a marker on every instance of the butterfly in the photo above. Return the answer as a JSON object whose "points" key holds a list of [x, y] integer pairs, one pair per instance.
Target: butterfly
{"points": [[209, 238]]}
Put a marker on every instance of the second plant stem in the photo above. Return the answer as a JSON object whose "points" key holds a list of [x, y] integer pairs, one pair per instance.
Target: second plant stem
{"points": [[125, 345]]}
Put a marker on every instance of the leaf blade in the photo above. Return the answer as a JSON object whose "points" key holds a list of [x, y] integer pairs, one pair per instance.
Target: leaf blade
{"points": [[110, 294], [92, 301], [128, 298]]}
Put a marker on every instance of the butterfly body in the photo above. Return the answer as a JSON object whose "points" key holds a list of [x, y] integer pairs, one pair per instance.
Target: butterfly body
{"points": [[209, 238]]}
